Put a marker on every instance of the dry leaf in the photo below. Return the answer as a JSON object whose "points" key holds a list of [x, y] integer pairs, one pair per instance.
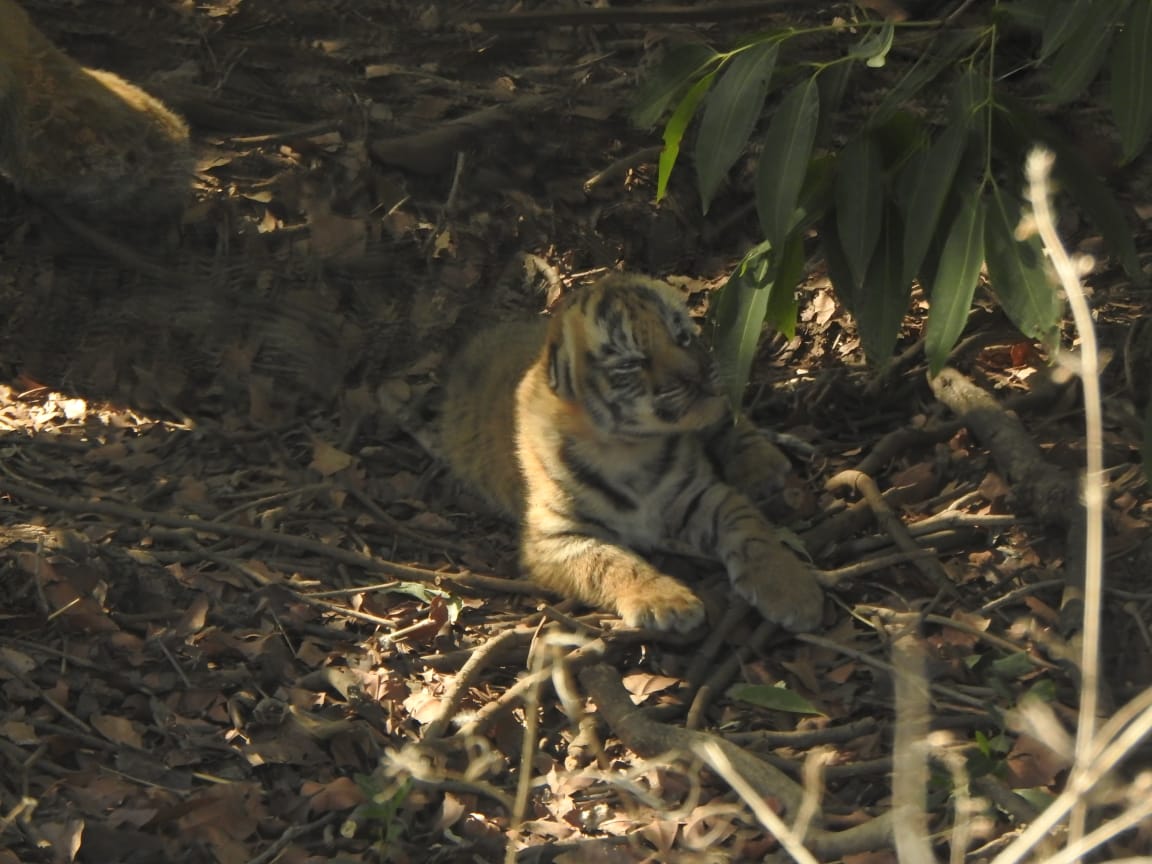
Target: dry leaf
{"points": [[327, 460]]}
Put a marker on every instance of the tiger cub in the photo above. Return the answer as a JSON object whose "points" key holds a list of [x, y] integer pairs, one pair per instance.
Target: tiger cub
{"points": [[602, 429]]}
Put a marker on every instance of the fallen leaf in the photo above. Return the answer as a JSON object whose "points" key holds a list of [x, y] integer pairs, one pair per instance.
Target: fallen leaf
{"points": [[644, 684], [328, 460], [119, 730], [343, 793]]}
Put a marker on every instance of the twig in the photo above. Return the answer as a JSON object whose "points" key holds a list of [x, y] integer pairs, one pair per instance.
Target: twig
{"points": [[833, 578], [724, 674], [622, 166], [792, 841], [602, 15], [1021, 592], [649, 739], [1038, 168], [395, 525], [909, 745], [1115, 740], [514, 695], [890, 522], [992, 639], [869, 660], [289, 834], [477, 662], [305, 544], [806, 737], [427, 152], [1040, 487], [858, 515]]}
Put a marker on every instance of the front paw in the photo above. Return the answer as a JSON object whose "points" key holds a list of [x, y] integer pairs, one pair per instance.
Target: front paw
{"points": [[783, 588], [663, 604], [759, 469]]}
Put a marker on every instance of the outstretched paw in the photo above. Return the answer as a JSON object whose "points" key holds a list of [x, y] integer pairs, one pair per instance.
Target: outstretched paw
{"points": [[664, 604], [783, 588]]}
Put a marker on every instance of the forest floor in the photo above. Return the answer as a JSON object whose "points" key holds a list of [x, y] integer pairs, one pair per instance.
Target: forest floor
{"points": [[246, 618]]}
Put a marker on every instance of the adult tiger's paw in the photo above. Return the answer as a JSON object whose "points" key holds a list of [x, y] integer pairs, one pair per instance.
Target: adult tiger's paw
{"points": [[662, 604], [783, 588]]}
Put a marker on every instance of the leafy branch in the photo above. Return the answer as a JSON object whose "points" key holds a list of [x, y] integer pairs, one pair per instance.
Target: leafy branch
{"points": [[925, 190]]}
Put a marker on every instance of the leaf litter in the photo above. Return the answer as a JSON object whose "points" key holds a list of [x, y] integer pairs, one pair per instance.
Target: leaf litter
{"points": [[247, 619]]}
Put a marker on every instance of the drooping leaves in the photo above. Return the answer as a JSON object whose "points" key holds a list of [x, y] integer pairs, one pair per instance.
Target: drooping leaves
{"points": [[879, 304], [784, 159], [929, 177], [817, 191], [1016, 270], [1131, 80], [730, 115], [1081, 56], [738, 318], [859, 200], [1059, 28], [780, 313], [672, 76], [674, 131], [941, 54], [955, 284]]}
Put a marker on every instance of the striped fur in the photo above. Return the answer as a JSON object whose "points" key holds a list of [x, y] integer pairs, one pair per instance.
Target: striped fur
{"points": [[621, 431]]}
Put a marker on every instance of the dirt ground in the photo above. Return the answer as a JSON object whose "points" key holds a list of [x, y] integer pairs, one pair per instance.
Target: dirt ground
{"points": [[246, 618]]}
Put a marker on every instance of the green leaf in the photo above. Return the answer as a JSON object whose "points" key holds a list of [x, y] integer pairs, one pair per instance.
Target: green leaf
{"points": [[899, 138], [930, 63], [1131, 80], [1033, 15], [782, 308], [1013, 666], [881, 303], [859, 202], [1044, 689], [669, 78], [738, 318], [730, 115], [955, 283], [674, 131], [784, 159], [816, 193], [873, 48], [773, 698], [833, 82], [1016, 271], [1081, 57], [1061, 23], [929, 178], [839, 272], [1084, 187]]}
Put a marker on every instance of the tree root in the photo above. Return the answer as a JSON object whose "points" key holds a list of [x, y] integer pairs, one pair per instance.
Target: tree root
{"points": [[1041, 488]]}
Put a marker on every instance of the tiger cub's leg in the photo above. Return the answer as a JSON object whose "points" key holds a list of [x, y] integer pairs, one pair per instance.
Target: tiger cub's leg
{"points": [[612, 577], [746, 459], [721, 522]]}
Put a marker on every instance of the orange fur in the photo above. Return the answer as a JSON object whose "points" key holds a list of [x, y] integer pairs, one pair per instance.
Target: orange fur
{"points": [[602, 432]]}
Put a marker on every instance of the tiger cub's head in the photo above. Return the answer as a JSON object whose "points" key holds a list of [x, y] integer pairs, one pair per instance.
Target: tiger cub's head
{"points": [[625, 350]]}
